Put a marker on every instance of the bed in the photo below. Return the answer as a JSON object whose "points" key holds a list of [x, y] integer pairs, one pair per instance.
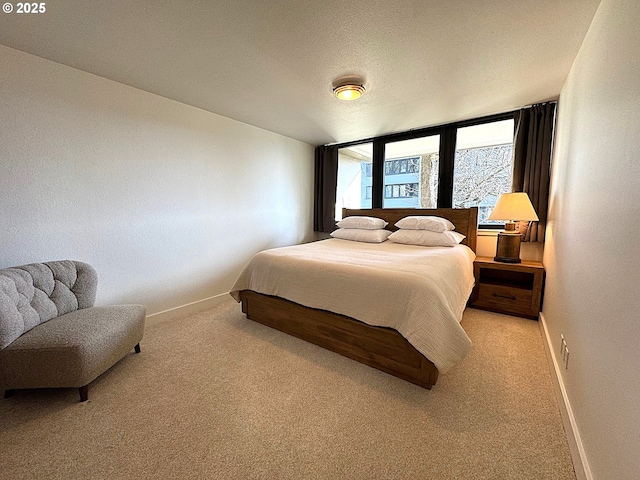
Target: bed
{"points": [[357, 334]]}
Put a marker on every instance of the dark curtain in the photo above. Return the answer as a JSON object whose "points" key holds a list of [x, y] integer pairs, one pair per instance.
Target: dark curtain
{"points": [[532, 163], [326, 181]]}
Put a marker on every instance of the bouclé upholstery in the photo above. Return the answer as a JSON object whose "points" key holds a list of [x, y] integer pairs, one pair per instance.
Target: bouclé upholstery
{"points": [[51, 335], [35, 293]]}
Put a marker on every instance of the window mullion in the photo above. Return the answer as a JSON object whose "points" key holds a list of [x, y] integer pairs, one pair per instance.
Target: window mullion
{"points": [[447, 157], [377, 174]]}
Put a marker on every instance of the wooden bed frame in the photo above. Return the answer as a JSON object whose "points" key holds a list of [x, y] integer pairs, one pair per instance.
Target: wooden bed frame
{"points": [[378, 347]]}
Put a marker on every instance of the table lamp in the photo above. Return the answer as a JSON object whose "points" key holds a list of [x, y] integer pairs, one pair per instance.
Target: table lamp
{"points": [[512, 208]]}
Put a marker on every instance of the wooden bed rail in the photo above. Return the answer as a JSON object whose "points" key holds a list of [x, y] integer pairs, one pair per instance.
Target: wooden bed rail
{"points": [[381, 348]]}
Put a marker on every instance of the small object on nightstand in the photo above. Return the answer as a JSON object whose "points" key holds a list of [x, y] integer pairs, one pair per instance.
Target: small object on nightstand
{"points": [[511, 288], [512, 207]]}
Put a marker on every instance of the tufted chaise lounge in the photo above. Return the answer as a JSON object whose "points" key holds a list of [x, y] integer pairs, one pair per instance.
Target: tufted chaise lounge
{"points": [[51, 335]]}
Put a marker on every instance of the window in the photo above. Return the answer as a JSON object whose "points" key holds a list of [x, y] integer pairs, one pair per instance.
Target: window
{"points": [[459, 165], [354, 178], [411, 173], [402, 165], [401, 190], [482, 166]]}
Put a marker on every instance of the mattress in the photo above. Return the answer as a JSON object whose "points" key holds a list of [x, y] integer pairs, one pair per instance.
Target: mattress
{"points": [[419, 291]]}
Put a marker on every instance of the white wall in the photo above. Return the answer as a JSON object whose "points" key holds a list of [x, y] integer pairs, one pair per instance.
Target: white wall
{"points": [[166, 201], [592, 251]]}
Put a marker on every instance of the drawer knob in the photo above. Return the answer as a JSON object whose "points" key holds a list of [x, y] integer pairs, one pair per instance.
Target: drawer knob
{"points": [[508, 297]]}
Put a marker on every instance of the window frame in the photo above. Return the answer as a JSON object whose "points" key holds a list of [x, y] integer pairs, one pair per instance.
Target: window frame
{"points": [[447, 152]]}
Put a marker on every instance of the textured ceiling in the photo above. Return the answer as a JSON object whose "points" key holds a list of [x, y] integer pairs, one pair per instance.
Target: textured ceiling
{"points": [[271, 63]]}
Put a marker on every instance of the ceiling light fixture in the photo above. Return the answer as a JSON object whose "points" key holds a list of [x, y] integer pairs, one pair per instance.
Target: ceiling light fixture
{"points": [[349, 91]]}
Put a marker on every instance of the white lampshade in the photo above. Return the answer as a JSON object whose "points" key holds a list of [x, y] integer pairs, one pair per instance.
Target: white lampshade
{"points": [[514, 207]]}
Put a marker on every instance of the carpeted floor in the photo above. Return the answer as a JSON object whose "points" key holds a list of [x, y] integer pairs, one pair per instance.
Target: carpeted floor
{"points": [[217, 396]]}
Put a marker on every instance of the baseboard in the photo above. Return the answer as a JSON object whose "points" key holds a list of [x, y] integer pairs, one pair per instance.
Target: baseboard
{"points": [[580, 463], [188, 309]]}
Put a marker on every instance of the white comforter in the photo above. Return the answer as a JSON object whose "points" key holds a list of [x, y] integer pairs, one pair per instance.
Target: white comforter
{"points": [[419, 291]]}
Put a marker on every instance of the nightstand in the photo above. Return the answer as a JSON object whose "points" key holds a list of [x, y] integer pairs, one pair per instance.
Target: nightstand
{"points": [[511, 288]]}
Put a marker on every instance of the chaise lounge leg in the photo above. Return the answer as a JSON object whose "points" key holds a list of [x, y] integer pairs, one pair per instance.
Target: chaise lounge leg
{"points": [[84, 393], [8, 393], [137, 348]]}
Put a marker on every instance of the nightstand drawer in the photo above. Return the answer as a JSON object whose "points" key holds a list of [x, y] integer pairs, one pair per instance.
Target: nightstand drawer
{"points": [[504, 296]]}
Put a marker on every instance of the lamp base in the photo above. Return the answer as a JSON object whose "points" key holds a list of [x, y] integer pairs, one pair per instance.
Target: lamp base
{"points": [[507, 260], [508, 248]]}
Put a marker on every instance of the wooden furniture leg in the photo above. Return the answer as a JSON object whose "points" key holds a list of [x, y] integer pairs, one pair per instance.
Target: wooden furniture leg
{"points": [[84, 393]]}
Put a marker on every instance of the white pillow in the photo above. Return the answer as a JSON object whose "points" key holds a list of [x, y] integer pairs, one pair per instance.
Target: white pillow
{"points": [[368, 223], [427, 238], [361, 235], [434, 224]]}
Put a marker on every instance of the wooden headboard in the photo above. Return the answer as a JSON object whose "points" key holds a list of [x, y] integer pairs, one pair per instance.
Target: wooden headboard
{"points": [[465, 219]]}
